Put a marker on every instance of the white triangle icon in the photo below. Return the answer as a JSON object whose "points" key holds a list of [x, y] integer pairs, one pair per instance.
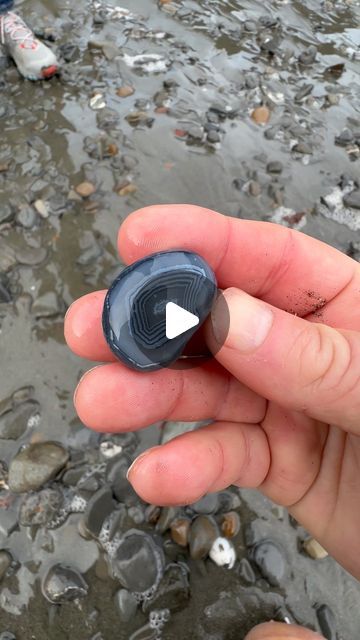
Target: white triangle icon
{"points": [[178, 320]]}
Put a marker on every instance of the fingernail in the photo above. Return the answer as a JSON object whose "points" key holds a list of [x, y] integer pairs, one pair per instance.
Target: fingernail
{"points": [[138, 460], [240, 321]]}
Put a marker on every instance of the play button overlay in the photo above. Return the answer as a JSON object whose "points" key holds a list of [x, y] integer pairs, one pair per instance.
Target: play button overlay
{"points": [[178, 320], [155, 312]]}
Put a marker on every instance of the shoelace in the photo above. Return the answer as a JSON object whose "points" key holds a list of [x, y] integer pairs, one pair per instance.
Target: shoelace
{"points": [[16, 28]]}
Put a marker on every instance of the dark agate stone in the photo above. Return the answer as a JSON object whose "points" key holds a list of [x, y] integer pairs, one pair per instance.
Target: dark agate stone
{"points": [[134, 314]]}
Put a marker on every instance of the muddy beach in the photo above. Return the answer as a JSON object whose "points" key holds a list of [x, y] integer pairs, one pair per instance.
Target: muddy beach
{"points": [[249, 108]]}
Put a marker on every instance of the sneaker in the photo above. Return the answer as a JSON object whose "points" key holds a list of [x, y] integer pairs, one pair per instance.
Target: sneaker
{"points": [[33, 59]]}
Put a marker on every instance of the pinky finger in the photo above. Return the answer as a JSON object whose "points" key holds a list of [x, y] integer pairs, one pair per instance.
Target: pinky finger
{"points": [[202, 461]]}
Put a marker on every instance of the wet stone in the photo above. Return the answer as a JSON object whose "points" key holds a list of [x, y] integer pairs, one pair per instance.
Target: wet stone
{"points": [[126, 604], [138, 563], [213, 136], [309, 56], [40, 508], [269, 558], [121, 487], [246, 572], [8, 522], [344, 138], [303, 92], [46, 306], [30, 256], [100, 505], [303, 148], [206, 505], [63, 584], [168, 514], [6, 213], [353, 199], [180, 531], [230, 525], [7, 635], [327, 622], [5, 562], [13, 424], [203, 532], [274, 167], [35, 465], [26, 217]]}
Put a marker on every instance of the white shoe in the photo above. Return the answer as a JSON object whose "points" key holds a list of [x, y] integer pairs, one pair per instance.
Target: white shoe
{"points": [[33, 59]]}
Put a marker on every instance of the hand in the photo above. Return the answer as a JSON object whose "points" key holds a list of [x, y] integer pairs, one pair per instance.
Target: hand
{"points": [[283, 390]]}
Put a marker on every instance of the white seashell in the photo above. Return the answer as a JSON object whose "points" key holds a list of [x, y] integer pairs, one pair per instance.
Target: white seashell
{"points": [[223, 553]]}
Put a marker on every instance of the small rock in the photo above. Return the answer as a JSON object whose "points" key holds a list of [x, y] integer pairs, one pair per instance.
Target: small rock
{"points": [[168, 514], [63, 584], [302, 147], [99, 507], [126, 604], [26, 217], [269, 557], [303, 92], [206, 505], [261, 115], [13, 424], [42, 208], [5, 562], [254, 188], [116, 476], [6, 213], [41, 507], [223, 553], [7, 635], [246, 572], [213, 136], [127, 189], [8, 522], [230, 525], [85, 189], [353, 199], [274, 167], [314, 549], [327, 622], [309, 56], [203, 532], [36, 464], [30, 256], [180, 531], [125, 91], [138, 562]]}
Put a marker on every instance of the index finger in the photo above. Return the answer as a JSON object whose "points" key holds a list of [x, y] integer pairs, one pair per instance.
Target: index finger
{"points": [[286, 268]]}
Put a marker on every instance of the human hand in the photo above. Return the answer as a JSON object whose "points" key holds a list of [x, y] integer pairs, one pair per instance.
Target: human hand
{"points": [[283, 389]]}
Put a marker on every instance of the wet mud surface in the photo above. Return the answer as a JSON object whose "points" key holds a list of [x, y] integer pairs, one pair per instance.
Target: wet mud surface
{"points": [[249, 108]]}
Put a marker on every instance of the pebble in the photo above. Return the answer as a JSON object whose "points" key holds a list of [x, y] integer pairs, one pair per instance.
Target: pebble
{"points": [[327, 622], [138, 563], [26, 217], [254, 188], [246, 572], [269, 558], [213, 136], [344, 138], [223, 553], [168, 514], [36, 464], [309, 56], [7, 635], [261, 115], [203, 532], [5, 562], [126, 189], [314, 549], [41, 507], [303, 148], [274, 167], [30, 256], [116, 476], [6, 213], [63, 584], [13, 424], [206, 505], [126, 604], [230, 525], [303, 92], [99, 507], [85, 189], [125, 91], [180, 529], [352, 199], [42, 208], [8, 522]]}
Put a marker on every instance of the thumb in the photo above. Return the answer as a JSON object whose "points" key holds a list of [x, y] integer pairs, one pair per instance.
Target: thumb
{"points": [[300, 365], [280, 631]]}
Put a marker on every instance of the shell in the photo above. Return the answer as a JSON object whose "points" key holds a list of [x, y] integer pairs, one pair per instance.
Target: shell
{"points": [[134, 314]]}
